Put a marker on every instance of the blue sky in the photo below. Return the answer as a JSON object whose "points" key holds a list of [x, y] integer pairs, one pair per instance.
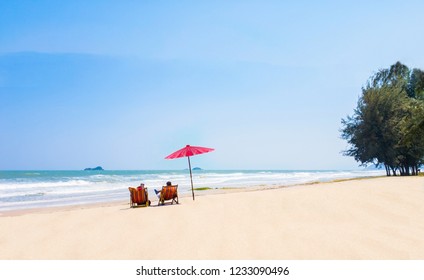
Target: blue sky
{"points": [[123, 84]]}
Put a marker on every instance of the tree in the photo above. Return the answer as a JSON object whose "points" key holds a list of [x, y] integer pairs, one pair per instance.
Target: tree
{"points": [[387, 127], [416, 84]]}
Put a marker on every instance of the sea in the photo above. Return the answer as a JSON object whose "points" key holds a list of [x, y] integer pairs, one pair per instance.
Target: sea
{"points": [[20, 190]]}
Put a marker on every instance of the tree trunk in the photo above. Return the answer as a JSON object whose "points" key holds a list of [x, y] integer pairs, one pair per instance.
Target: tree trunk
{"points": [[414, 170], [394, 171], [407, 171], [387, 170]]}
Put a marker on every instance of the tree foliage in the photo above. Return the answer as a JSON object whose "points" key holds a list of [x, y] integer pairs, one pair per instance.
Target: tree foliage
{"points": [[387, 126]]}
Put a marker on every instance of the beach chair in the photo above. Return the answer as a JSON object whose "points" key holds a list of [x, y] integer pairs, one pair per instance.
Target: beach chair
{"points": [[168, 193], [139, 197]]}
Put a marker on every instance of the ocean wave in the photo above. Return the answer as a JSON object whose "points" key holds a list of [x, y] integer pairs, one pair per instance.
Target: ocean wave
{"points": [[44, 184], [22, 197], [76, 187]]}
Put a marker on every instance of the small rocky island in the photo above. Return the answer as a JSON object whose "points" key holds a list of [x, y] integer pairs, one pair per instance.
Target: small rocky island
{"points": [[93, 169]]}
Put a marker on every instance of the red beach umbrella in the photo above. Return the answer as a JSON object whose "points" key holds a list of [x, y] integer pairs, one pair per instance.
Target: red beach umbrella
{"points": [[189, 151]]}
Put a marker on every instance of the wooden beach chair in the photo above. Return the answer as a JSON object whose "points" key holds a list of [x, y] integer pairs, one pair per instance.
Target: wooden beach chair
{"points": [[139, 197], [168, 193]]}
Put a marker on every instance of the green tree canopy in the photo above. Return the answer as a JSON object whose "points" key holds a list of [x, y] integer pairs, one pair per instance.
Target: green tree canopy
{"points": [[387, 126]]}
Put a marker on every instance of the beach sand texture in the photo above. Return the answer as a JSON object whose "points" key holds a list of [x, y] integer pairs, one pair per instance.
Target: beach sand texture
{"points": [[377, 218]]}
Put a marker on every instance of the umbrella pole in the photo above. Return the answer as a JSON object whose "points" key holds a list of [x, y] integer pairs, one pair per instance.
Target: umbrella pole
{"points": [[191, 177]]}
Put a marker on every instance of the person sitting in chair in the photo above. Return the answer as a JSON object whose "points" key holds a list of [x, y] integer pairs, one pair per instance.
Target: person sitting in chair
{"points": [[158, 192], [140, 187]]}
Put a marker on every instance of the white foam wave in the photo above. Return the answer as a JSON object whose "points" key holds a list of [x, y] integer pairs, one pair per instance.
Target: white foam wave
{"points": [[31, 185], [39, 191]]}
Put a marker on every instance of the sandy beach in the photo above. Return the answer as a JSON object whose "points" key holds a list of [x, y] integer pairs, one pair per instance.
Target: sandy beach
{"points": [[376, 218]]}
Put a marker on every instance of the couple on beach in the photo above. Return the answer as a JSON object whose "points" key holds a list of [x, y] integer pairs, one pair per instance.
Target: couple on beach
{"points": [[156, 191], [168, 192]]}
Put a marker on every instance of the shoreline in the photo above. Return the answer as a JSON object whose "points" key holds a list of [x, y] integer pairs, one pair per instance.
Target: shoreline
{"points": [[87, 205], [373, 218], [210, 191], [21, 190]]}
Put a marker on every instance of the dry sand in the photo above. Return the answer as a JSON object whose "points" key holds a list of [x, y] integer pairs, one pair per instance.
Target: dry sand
{"points": [[378, 218]]}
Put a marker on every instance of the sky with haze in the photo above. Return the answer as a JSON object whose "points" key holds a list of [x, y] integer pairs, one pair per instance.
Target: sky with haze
{"points": [[122, 84]]}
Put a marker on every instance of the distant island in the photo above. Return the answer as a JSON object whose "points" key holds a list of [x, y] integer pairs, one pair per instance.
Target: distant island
{"points": [[93, 169], [197, 168]]}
